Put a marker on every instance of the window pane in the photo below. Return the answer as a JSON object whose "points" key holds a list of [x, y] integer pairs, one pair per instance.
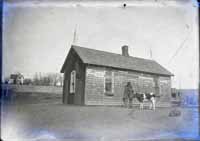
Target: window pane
{"points": [[108, 73], [108, 87], [72, 82], [108, 81]]}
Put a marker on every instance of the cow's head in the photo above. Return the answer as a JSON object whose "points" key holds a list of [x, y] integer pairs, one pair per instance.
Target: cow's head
{"points": [[151, 93]]}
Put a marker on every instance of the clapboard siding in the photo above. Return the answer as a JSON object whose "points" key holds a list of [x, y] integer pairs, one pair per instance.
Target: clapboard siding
{"points": [[74, 63], [94, 85], [165, 89]]}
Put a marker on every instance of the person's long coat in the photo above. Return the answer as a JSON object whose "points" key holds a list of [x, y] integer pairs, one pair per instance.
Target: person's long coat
{"points": [[128, 92]]}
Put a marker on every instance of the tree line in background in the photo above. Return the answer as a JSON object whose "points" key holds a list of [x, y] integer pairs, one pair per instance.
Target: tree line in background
{"points": [[49, 79], [44, 79]]}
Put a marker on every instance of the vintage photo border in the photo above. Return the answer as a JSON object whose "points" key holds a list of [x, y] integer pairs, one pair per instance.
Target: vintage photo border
{"points": [[1, 66]]}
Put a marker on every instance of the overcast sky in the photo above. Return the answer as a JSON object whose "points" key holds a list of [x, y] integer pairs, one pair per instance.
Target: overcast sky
{"points": [[37, 36]]}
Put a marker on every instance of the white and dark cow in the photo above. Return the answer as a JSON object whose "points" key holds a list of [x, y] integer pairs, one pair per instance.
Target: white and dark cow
{"points": [[146, 97]]}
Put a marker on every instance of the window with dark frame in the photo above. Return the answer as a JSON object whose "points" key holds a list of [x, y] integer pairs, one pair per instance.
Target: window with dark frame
{"points": [[109, 84], [73, 82]]}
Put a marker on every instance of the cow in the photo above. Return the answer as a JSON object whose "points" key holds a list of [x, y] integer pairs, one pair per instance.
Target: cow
{"points": [[142, 97]]}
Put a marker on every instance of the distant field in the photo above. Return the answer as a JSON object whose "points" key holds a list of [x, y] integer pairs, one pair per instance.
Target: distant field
{"points": [[35, 89], [25, 94], [189, 97]]}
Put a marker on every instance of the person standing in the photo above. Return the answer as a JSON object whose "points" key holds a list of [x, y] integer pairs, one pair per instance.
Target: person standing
{"points": [[128, 95]]}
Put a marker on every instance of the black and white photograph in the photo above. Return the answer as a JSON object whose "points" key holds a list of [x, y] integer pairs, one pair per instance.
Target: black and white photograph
{"points": [[100, 70]]}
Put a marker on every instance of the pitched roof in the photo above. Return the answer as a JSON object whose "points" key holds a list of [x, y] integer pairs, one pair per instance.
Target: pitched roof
{"points": [[107, 59]]}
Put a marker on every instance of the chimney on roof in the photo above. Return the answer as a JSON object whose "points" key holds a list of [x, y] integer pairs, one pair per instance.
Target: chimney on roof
{"points": [[125, 50]]}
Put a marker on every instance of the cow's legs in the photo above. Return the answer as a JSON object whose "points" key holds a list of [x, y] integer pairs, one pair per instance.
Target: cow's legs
{"points": [[141, 106], [153, 104]]}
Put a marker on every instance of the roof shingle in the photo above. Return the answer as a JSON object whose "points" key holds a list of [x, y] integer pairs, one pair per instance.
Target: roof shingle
{"points": [[102, 58]]}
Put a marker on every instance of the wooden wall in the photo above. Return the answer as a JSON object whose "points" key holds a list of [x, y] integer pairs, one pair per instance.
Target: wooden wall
{"points": [[74, 63], [94, 86]]}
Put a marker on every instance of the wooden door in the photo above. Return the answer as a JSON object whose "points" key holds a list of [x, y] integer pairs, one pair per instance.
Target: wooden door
{"points": [[70, 96]]}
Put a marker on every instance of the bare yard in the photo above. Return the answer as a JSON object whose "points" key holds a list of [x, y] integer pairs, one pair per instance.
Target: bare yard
{"points": [[56, 121], [41, 116]]}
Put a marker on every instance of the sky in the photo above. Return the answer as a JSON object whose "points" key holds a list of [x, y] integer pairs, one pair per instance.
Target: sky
{"points": [[38, 35]]}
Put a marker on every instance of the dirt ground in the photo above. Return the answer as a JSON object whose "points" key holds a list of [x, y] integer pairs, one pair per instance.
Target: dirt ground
{"points": [[54, 121]]}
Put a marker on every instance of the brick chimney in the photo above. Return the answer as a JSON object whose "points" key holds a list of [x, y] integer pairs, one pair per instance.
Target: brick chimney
{"points": [[125, 50]]}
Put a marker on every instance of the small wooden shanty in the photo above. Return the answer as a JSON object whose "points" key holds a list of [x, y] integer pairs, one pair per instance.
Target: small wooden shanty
{"points": [[94, 77]]}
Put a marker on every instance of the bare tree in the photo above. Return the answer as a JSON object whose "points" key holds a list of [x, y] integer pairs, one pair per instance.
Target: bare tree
{"points": [[48, 79]]}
